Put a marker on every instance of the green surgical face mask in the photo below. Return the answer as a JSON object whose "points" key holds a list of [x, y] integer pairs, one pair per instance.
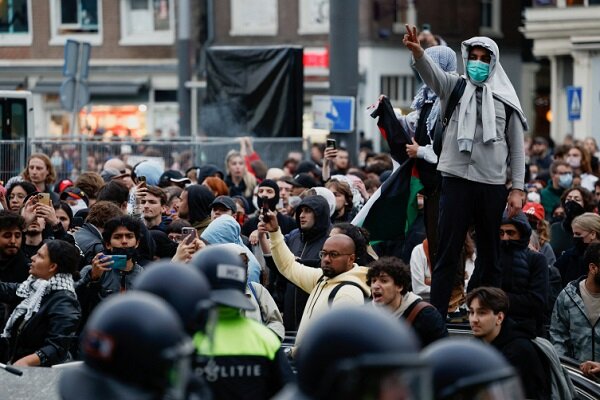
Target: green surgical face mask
{"points": [[478, 70]]}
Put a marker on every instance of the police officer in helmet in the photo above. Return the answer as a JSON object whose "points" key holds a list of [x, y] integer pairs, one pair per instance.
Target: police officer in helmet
{"points": [[243, 358], [359, 353], [134, 347], [468, 369]]}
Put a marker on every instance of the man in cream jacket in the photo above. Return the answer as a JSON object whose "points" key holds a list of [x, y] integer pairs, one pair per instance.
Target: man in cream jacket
{"points": [[339, 282]]}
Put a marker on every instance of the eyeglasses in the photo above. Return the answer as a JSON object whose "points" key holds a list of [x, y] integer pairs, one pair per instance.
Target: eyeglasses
{"points": [[509, 232], [332, 254]]}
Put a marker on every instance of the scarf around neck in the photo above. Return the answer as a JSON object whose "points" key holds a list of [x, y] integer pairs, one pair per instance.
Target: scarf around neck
{"points": [[32, 291], [496, 85]]}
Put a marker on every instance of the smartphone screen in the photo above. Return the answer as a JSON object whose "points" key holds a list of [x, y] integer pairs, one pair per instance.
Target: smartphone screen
{"points": [[331, 143], [265, 208]]}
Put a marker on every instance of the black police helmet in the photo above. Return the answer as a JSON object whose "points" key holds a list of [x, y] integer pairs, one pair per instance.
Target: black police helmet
{"points": [[349, 348], [462, 366], [227, 274], [136, 338], [185, 288]]}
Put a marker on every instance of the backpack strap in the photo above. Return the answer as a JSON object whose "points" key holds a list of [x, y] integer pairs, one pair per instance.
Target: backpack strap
{"points": [[339, 286], [455, 96], [416, 310]]}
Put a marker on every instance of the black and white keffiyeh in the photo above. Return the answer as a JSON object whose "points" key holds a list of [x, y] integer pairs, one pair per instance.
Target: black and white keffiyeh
{"points": [[32, 291]]}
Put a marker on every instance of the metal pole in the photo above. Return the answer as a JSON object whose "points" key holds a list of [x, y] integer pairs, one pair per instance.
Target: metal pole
{"points": [[76, 94], [184, 68], [343, 61]]}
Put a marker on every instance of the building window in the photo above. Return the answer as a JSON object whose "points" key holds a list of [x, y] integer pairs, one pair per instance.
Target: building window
{"points": [[254, 18], [75, 19], [400, 89], [490, 21], [147, 22], [313, 17], [14, 22]]}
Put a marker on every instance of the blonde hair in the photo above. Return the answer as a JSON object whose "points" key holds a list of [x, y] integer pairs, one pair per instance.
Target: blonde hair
{"points": [[588, 222], [248, 178]]}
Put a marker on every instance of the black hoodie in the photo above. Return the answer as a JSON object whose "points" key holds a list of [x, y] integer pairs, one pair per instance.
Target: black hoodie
{"points": [[525, 278], [306, 245], [199, 199], [516, 346]]}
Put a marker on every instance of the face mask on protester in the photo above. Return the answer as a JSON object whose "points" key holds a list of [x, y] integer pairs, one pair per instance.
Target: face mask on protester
{"points": [[478, 70], [79, 206], [573, 209], [579, 244], [574, 162], [565, 181], [130, 252]]}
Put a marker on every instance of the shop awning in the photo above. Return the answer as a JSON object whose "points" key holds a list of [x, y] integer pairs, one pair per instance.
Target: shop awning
{"points": [[96, 88]]}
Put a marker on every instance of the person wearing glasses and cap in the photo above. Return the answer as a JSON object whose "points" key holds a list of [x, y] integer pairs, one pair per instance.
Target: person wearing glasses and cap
{"points": [[340, 282]]}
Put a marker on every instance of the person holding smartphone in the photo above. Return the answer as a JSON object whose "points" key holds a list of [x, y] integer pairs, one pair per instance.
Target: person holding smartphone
{"points": [[106, 275]]}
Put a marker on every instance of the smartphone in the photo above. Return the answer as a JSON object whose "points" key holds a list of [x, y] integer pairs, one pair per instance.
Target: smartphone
{"points": [[189, 234], [142, 179], [265, 208], [119, 261], [44, 198], [331, 143]]}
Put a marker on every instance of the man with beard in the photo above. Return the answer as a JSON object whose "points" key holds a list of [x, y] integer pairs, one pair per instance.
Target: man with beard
{"points": [[13, 261], [340, 282], [525, 275], [305, 243], [574, 330], [195, 206], [106, 276]]}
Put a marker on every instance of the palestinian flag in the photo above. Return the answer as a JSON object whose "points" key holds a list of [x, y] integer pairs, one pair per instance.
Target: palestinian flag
{"points": [[392, 209]]}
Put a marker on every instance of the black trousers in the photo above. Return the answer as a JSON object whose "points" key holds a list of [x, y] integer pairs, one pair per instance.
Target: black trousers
{"points": [[464, 203]]}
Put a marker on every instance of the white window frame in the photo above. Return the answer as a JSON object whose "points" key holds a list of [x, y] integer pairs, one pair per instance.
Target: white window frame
{"points": [[57, 39], [19, 39], [308, 12], [155, 38], [496, 29], [400, 89], [254, 17]]}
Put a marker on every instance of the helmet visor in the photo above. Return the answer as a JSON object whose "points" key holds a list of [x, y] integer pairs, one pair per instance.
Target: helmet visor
{"points": [[382, 379], [505, 389]]}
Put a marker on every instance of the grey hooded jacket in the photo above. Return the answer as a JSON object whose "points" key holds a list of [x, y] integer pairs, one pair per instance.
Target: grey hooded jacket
{"points": [[487, 162], [571, 332]]}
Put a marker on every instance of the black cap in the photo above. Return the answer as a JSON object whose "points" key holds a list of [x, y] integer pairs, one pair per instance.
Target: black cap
{"points": [[308, 166], [305, 180], [226, 202], [172, 176], [74, 193]]}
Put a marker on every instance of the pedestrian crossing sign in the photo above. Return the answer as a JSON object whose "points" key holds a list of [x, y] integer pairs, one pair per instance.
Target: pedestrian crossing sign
{"points": [[574, 102]]}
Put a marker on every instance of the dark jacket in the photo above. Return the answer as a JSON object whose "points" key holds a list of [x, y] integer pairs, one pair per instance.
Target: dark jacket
{"points": [[516, 346], [306, 245], [525, 278], [89, 240], [90, 293], [570, 265], [51, 330], [14, 269], [428, 324]]}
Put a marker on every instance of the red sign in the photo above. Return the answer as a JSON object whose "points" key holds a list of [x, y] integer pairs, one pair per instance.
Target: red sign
{"points": [[316, 57]]}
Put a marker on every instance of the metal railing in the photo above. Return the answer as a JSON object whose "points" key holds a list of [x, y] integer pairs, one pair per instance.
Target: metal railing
{"points": [[71, 156]]}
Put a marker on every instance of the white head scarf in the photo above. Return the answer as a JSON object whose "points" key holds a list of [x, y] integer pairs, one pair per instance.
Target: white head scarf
{"points": [[496, 85]]}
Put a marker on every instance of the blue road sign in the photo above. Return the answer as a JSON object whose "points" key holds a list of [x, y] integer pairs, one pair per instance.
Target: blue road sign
{"points": [[574, 102], [335, 113]]}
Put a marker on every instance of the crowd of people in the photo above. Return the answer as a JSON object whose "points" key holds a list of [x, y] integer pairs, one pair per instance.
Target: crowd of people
{"points": [[184, 283]]}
